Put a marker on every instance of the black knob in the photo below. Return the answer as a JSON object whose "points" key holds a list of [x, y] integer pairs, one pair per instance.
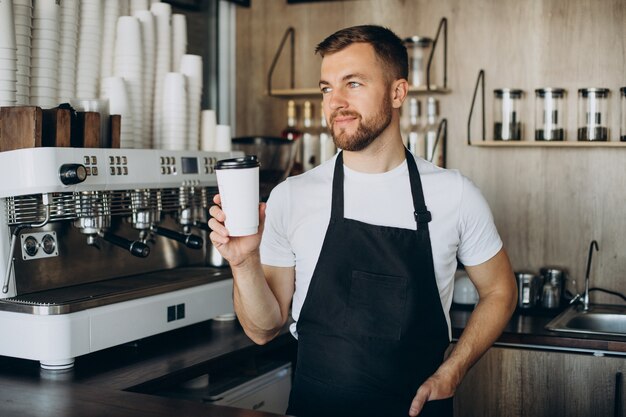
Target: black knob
{"points": [[139, 249], [71, 174], [194, 242]]}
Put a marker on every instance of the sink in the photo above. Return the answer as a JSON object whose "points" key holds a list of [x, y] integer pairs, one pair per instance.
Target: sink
{"points": [[607, 320]]}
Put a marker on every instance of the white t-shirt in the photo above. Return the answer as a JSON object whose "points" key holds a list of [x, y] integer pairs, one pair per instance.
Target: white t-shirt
{"points": [[298, 213]]}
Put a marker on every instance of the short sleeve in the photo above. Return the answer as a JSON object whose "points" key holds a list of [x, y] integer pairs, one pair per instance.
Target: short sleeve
{"points": [[275, 246], [479, 238]]}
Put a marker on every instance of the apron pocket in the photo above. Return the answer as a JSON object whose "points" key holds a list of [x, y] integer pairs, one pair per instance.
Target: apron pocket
{"points": [[375, 305]]}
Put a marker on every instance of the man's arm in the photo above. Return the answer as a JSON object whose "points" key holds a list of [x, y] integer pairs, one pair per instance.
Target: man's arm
{"points": [[497, 289], [261, 294]]}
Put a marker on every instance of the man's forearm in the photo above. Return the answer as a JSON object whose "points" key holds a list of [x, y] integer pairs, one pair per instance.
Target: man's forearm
{"points": [[257, 308], [483, 328]]}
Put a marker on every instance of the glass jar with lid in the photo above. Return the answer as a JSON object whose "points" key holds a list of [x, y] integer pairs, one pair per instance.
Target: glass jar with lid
{"points": [[593, 106], [507, 114], [419, 49], [622, 135], [549, 114]]}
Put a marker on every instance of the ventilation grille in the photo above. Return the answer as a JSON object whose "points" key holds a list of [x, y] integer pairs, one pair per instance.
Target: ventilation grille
{"points": [[70, 206]]}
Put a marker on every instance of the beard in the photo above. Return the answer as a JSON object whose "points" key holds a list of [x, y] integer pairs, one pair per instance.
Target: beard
{"points": [[366, 131]]}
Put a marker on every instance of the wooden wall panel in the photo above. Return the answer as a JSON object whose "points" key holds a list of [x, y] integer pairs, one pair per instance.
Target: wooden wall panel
{"points": [[548, 203]]}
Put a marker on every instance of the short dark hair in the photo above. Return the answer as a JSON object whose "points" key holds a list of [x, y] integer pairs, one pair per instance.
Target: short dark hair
{"points": [[387, 45]]}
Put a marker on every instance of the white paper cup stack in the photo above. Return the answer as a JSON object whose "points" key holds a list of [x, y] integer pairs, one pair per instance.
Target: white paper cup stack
{"points": [[22, 16], [179, 39], [114, 89], [208, 130], [44, 70], [163, 28], [8, 56], [174, 112], [68, 55], [138, 5], [129, 65], [191, 66], [89, 43], [146, 19], [223, 139], [109, 24]]}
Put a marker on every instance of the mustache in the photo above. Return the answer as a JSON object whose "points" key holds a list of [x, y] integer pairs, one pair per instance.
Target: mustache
{"points": [[343, 113]]}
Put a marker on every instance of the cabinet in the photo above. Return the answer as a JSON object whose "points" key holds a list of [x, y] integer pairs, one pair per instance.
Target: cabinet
{"points": [[509, 382]]}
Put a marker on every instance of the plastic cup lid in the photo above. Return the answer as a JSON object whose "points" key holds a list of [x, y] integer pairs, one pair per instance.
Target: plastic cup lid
{"points": [[249, 161]]}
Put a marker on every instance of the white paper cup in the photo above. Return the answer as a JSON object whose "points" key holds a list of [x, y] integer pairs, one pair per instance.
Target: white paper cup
{"points": [[238, 183], [223, 140]]}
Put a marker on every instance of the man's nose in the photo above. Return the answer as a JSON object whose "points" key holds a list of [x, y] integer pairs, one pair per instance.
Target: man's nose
{"points": [[337, 100]]}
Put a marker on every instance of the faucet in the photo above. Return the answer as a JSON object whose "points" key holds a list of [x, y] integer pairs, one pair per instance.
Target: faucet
{"points": [[586, 295]]}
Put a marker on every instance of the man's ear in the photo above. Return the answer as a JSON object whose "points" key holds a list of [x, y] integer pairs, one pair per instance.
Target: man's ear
{"points": [[399, 91]]}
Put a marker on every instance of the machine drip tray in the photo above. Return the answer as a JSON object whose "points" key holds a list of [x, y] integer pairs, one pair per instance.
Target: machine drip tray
{"points": [[84, 296]]}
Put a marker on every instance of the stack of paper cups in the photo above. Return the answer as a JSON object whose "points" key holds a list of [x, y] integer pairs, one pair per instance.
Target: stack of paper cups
{"points": [[22, 15], [114, 90], [70, 20], [44, 69], [89, 43], [191, 66], [109, 24], [222, 139], [208, 130], [129, 65], [146, 19], [179, 39], [138, 5], [8, 56], [174, 112], [163, 28]]}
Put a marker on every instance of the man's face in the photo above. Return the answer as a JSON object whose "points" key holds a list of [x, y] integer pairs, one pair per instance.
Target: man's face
{"points": [[356, 96]]}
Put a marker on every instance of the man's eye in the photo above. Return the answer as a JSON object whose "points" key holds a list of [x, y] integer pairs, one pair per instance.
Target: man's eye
{"points": [[325, 90], [354, 84]]}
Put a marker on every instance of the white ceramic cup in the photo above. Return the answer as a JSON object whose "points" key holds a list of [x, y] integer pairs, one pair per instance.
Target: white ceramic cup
{"points": [[238, 184]]}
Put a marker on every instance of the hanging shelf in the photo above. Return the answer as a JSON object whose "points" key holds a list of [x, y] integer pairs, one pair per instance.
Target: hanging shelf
{"points": [[480, 82], [293, 92]]}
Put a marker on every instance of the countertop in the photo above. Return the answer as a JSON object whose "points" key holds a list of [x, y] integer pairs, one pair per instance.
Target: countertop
{"points": [[115, 382]]}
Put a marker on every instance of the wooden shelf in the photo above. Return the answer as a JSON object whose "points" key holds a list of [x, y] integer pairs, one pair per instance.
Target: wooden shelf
{"points": [[547, 144], [309, 92]]}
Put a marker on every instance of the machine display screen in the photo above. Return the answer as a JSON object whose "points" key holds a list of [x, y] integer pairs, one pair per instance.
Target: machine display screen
{"points": [[190, 165]]}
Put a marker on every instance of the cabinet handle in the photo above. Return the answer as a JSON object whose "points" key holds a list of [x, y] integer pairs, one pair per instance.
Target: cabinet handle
{"points": [[618, 395]]}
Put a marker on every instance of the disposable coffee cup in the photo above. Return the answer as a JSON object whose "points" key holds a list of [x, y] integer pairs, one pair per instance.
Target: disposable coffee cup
{"points": [[238, 184]]}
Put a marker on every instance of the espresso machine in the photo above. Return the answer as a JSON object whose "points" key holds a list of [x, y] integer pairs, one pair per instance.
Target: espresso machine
{"points": [[100, 247]]}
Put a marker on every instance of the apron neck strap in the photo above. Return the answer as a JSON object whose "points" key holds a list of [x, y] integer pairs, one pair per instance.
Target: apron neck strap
{"points": [[421, 213]]}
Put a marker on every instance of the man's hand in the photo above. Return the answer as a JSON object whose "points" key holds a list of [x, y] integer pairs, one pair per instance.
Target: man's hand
{"points": [[235, 250], [438, 387]]}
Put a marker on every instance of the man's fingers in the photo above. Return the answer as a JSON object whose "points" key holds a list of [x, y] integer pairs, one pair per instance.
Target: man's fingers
{"points": [[217, 213], [217, 199], [218, 228], [418, 402]]}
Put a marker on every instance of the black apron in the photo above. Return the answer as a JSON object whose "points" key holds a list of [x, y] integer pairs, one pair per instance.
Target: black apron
{"points": [[372, 328]]}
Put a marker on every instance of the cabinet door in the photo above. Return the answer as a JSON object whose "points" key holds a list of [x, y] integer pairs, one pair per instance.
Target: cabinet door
{"points": [[532, 383]]}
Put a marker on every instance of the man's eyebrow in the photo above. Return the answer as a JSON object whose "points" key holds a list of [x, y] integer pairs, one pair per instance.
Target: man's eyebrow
{"points": [[346, 78]]}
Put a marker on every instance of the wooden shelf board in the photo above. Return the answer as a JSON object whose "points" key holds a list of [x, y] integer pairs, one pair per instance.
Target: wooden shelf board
{"points": [[548, 144], [306, 92]]}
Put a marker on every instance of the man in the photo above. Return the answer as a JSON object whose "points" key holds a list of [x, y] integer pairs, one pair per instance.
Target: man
{"points": [[365, 247]]}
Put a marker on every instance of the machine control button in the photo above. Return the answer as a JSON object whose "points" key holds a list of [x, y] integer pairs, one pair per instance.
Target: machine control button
{"points": [[94, 171], [94, 160], [119, 170], [111, 160], [163, 170], [125, 170], [88, 169], [71, 174], [124, 160], [31, 246], [118, 160], [86, 160]]}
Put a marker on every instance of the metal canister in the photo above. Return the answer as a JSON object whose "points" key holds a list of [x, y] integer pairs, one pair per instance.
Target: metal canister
{"points": [[553, 286], [528, 289]]}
